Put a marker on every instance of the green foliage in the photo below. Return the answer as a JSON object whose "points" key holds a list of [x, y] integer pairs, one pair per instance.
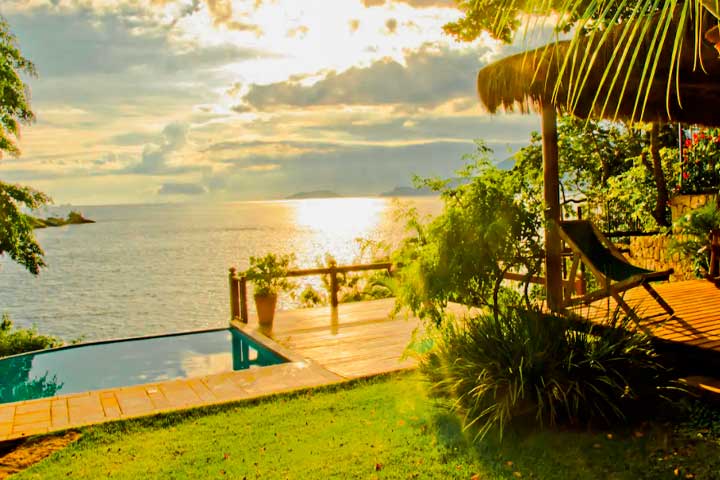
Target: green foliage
{"points": [[489, 225], [13, 94], [701, 162], [18, 340], [268, 273], [607, 168], [16, 235], [16, 228], [628, 199], [352, 286], [701, 416], [523, 364], [692, 236]]}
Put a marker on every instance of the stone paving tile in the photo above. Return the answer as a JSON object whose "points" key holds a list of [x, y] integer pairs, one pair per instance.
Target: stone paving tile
{"points": [[133, 401], [110, 405], [34, 417], [5, 428], [157, 397], [34, 407], [180, 394], [7, 413], [85, 410], [23, 430], [201, 390]]}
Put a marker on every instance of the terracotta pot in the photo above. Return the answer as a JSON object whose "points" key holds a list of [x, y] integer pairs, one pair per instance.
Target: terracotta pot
{"points": [[265, 306]]}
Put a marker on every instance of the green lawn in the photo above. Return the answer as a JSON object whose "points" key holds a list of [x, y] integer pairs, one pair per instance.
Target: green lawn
{"points": [[385, 428]]}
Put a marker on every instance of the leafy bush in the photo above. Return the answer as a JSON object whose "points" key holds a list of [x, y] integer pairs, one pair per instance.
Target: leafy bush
{"points": [[692, 239], [19, 340], [490, 225], [524, 364], [268, 273]]}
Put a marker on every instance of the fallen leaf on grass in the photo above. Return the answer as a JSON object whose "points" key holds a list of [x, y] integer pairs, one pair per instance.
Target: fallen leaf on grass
{"points": [[378, 467]]}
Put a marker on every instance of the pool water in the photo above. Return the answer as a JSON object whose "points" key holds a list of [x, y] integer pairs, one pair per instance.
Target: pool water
{"points": [[95, 366]]}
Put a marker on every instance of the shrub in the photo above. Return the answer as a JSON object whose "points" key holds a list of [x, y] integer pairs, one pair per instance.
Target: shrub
{"points": [[693, 239], [524, 364], [19, 340]]}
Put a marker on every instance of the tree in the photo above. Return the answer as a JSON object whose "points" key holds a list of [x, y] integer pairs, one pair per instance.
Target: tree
{"points": [[620, 169], [647, 36], [490, 225], [16, 231]]}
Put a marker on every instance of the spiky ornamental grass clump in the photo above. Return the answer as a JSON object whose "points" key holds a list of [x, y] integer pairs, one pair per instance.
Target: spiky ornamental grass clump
{"points": [[493, 370]]}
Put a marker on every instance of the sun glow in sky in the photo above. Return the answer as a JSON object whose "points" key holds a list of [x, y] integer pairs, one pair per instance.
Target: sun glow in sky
{"points": [[168, 100]]}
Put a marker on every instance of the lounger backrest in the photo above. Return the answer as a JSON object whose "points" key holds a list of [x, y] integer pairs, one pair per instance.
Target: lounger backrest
{"points": [[583, 235]]}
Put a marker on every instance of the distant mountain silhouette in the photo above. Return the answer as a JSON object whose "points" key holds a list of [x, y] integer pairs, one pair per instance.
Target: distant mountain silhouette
{"points": [[408, 192], [313, 194]]}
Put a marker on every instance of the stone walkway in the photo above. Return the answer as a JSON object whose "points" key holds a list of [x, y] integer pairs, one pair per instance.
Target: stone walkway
{"points": [[323, 346]]}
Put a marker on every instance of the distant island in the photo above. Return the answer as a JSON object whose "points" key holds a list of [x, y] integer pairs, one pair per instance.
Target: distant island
{"points": [[408, 192], [73, 218], [313, 194]]}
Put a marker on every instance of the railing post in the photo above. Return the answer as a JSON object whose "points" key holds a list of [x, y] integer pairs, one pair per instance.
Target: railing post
{"points": [[333, 284], [234, 295], [242, 284]]}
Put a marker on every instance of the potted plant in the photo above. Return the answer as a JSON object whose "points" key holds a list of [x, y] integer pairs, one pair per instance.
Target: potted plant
{"points": [[268, 276]]}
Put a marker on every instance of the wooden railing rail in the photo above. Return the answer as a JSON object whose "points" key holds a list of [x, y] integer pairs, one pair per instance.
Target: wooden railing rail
{"points": [[238, 284]]}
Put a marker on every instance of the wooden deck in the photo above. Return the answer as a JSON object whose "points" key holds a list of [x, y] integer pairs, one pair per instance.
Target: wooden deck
{"points": [[697, 312], [354, 340]]}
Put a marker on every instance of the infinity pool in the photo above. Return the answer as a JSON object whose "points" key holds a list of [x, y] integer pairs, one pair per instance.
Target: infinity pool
{"points": [[95, 366]]}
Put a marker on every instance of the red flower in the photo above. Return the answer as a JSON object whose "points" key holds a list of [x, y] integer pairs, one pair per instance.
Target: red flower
{"points": [[688, 142], [686, 175]]}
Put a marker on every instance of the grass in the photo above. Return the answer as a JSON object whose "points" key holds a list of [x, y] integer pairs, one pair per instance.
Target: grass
{"points": [[384, 428]]}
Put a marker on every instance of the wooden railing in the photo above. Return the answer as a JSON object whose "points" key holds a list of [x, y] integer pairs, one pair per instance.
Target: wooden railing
{"points": [[238, 284]]}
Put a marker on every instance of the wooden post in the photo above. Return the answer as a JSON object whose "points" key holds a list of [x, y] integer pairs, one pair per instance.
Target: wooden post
{"points": [[333, 284], [243, 299], [551, 180], [234, 295]]}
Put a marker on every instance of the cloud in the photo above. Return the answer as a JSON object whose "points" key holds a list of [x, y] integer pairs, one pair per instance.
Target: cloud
{"points": [[181, 189], [87, 43], [430, 75], [155, 156], [348, 169], [131, 138]]}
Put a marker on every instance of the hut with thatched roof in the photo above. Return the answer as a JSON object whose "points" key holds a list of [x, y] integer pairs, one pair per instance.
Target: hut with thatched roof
{"points": [[608, 74]]}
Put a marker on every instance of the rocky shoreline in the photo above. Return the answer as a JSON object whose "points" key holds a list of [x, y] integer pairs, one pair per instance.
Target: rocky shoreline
{"points": [[73, 218]]}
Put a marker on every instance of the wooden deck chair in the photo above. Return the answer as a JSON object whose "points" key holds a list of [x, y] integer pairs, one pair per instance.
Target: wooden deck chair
{"points": [[613, 272]]}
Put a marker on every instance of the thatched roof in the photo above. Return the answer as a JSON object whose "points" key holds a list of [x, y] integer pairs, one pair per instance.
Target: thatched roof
{"points": [[527, 80]]}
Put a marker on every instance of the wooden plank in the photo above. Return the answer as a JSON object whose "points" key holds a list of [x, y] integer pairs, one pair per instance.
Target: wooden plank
{"points": [[697, 312]]}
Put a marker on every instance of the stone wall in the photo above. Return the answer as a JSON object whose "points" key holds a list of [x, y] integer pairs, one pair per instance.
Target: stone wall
{"points": [[683, 204], [651, 253]]}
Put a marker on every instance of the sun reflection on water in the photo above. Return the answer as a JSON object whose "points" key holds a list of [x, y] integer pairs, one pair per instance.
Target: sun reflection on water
{"points": [[346, 217]]}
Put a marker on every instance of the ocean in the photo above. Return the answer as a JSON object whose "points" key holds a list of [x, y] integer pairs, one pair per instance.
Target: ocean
{"points": [[147, 269]]}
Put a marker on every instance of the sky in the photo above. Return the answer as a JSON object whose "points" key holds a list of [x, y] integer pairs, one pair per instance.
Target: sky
{"points": [[141, 101]]}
